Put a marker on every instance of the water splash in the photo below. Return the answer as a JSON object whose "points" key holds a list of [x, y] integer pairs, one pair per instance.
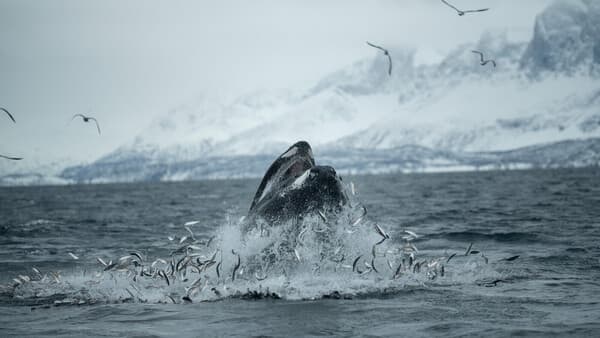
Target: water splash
{"points": [[318, 256]]}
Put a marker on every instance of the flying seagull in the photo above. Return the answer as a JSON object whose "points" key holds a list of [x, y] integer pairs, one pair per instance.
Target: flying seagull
{"points": [[461, 13], [87, 119], [9, 114], [11, 158], [484, 62], [386, 53]]}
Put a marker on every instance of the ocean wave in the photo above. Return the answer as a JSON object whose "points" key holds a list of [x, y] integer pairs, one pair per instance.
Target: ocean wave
{"points": [[505, 237]]}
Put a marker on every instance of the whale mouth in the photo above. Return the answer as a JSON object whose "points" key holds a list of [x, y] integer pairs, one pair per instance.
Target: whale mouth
{"points": [[298, 167], [287, 167], [294, 186]]}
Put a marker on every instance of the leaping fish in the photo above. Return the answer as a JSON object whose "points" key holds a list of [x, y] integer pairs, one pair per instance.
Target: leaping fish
{"points": [[355, 262], [237, 265], [381, 232]]}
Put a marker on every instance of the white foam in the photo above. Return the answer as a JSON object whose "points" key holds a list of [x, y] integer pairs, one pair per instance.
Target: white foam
{"points": [[327, 252]]}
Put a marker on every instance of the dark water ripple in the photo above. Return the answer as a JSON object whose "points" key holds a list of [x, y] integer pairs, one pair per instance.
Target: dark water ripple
{"points": [[551, 219]]}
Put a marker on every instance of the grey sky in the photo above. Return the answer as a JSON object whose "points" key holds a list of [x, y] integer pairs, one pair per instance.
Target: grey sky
{"points": [[127, 61]]}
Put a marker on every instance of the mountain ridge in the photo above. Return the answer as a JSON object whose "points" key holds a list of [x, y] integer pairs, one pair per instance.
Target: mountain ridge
{"points": [[544, 92]]}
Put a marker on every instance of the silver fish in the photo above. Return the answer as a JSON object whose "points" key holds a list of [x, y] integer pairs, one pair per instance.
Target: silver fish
{"points": [[510, 259], [417, 268], [191, 232], [355, 262], [130, 293], [162, 274], [355, 223], [301, 234], [397, 273], [411, 233], [381, 232], [37, 271], [322, 215], [138, 255], [237, 265], [468, 249], [373, 264]]}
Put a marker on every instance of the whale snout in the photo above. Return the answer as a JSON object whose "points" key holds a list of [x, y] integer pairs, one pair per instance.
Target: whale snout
{"points": [[328, 185]]}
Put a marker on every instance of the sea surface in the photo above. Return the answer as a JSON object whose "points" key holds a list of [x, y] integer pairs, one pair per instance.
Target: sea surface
{"points": [[469, 229]]}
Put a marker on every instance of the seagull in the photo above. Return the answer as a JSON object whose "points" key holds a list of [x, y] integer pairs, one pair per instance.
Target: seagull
{"points": [[385, 52], [11, 158], [9, 114], [484, 62], [87, 119], [461, 13]]}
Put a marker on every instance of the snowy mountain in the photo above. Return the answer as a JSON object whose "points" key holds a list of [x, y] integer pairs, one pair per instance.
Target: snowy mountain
{"points": [[538, 108], [566, 39], [409, 158]]}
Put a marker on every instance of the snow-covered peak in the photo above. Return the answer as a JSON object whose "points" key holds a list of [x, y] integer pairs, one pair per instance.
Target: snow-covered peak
{"points": [[370, 75], [566, 38]]}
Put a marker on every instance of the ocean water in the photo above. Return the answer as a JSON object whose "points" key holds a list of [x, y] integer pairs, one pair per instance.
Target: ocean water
{"points": [[304, 279]]}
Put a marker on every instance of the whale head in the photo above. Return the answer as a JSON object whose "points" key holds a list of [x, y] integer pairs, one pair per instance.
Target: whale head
{"points": [[294, 186]]}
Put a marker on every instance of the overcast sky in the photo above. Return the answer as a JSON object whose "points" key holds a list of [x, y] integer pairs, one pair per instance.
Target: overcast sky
{"points": [[126, 62]]}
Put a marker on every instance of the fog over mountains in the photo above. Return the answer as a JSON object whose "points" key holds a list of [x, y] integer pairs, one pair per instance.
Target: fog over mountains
{"points": [[539, 108]]}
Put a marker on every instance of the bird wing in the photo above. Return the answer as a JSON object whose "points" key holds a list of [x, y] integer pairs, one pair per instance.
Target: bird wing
{"points": [[493, 62], [74, 116], [9, 114], [375, 46], [11, 158], [390, 68], [97, 125], [480, 54], [476, 10], [451, 6]]}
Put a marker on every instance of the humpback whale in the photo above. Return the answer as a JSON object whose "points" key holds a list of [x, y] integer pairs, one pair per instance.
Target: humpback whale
{"points": [[294, 186]]}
